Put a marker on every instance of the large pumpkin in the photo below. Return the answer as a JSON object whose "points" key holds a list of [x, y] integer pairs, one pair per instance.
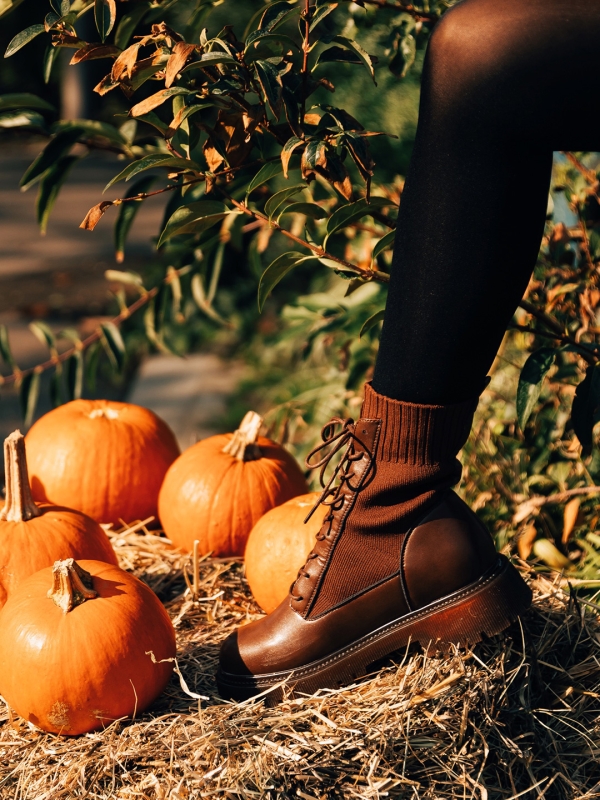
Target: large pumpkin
{"points": [[278, 546], [83, 644], [101, 457], [220, 487], [32, 536]]}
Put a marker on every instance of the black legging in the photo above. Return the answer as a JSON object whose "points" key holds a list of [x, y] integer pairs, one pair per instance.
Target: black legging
{"points": [[504, 84]]}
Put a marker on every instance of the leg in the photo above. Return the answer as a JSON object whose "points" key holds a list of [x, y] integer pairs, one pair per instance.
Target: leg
{"points": [[400, 557], [502, 87]]}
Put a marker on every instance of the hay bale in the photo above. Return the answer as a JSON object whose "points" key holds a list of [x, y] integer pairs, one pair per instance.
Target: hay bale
{"points": [[515, 716]]}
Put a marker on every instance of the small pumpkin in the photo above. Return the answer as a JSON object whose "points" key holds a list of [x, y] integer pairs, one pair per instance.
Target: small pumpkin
{"points": [[32, 536], [82, 644], [104, 458], [278, 546], [221, 486]]}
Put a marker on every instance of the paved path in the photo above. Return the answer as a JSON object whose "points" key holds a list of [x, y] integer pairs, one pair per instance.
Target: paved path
{"points": [[60, 278], [188, 393], [63, 271]]}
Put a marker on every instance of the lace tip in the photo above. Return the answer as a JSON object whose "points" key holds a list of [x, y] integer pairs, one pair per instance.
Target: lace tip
{"points": [[311, 512]]}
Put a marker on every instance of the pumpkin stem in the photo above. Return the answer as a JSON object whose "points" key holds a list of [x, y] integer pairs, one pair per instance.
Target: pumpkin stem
{"points": [[72, 585], [242, 444], [19, 505]]}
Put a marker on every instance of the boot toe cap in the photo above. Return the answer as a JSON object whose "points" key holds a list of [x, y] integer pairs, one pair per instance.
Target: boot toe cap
{"points": [[231, 660]]}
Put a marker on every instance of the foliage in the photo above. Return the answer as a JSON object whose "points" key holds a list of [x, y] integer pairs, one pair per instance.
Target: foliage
{"points": [[273, 195]]}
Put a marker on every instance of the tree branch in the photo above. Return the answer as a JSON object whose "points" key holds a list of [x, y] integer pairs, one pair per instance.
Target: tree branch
{"points": [[555, 326], [305, 50], [19, 374], [365, 274]]}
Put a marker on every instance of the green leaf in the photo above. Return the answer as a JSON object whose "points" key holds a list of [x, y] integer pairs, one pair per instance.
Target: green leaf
{"points": [[74, 370], [210, 59], [277, 270], [183, 114], [50, 57], [385, 242], [371, 322], [194, 218], [346, 215], [264, 174], [105, 14], [551, 555], [153, 119], [126, 215], [129, 278], [92, 128], [274, 15], [152, 321], [321, 12], [287, 152], [270, 81], [50, 186], [530, 382], [56, 148], [91, 362], [22, 38], [201, 300], [43, 333], [151, 162], [113, 344], [5, 351], [56, 387], [308, 209], [263, 37], [335, 54], [21, 119], [279, 198], [358, 148], [29, 392], [128, 23], [24, 100], [586, 406], [51, 19], [404, 57]]}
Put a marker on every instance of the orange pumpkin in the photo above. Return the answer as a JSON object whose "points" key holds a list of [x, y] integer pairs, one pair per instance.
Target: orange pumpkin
{"points": [[101, 457], [220, 487], [83, 644], [33, 537], [278, 546]]}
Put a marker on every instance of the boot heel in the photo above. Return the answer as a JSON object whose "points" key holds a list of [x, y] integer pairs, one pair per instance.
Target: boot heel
{"points": [[482, 611]]}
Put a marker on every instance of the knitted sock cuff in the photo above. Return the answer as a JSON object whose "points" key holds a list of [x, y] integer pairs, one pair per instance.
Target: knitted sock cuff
{"points": [[418, 434]]}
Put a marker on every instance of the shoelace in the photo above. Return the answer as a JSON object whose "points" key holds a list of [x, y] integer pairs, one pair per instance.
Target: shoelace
{"points": [[332, 495]]}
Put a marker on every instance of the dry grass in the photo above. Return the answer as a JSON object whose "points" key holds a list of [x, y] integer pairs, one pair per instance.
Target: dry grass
{"points": [[515, 717]]}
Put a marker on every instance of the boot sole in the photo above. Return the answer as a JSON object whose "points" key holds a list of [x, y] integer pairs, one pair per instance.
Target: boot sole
{"points": [[463, 618]]}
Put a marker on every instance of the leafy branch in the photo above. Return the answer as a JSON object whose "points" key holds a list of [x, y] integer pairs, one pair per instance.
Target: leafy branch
{"points": [[18, 375]]}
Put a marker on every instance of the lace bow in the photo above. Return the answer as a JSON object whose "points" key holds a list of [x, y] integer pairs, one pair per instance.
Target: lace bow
{"points": [[333, 442]]}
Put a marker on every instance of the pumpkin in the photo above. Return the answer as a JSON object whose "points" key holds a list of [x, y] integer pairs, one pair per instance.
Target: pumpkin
{"points": [[101, 457], [82, 644], [32, 536], [220, 487], [278, 546]]}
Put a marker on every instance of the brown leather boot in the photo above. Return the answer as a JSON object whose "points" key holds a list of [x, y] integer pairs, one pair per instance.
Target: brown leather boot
{"points": [[400, 558]]}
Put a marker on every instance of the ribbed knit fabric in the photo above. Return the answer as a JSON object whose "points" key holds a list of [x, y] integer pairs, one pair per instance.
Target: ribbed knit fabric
{"points": [[414, 464]]}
